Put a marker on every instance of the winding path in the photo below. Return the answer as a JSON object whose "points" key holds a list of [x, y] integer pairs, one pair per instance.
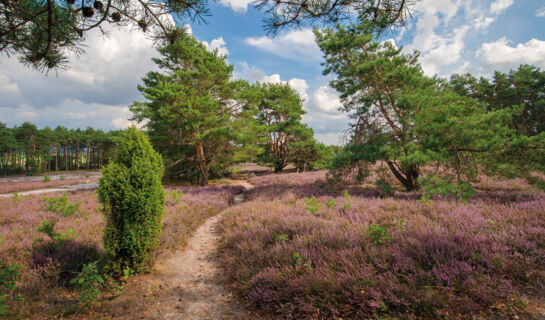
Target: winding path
{"points": [[186, 285]]}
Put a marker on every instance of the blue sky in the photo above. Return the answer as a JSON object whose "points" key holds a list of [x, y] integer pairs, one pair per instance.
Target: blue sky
{"points": [[477, 36]]}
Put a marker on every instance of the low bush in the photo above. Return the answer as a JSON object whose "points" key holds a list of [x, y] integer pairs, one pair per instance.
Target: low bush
{"points": [[9, 275], [61, 205]]}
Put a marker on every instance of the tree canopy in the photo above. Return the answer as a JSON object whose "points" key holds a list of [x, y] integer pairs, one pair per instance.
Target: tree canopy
{"points": [[41, 32], [425, 132], [192, 107]]}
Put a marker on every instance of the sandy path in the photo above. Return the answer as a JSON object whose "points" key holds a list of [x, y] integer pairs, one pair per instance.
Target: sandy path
{"points": [[186, 284], [74, 187]]}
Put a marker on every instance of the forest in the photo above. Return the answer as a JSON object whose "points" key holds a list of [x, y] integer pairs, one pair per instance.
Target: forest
{"points": [[220, 202]]}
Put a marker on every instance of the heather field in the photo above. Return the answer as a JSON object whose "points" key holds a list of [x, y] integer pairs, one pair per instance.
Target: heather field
{"points": [[48, 261], [300, 249]]}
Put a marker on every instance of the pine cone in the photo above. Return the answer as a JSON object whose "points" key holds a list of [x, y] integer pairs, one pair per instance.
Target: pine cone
{"points": [[98, 5], [88, 12], [116, 16]]}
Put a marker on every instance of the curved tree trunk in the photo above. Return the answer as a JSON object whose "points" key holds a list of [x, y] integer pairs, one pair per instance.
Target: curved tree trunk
{"points": [[408, 179]]}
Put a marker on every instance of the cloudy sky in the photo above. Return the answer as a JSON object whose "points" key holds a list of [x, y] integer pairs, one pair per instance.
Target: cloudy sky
{"points": [[477, 36]]}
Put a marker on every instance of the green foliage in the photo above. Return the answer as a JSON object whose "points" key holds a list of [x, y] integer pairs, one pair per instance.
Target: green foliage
{"points": [[58, 239], [281, 238], [384, 187], [33, 147], [378, 234], [434, 184], [175, 195], [42, 34], [193, 109], [280, 109], [412, 122], [537, 182], [17, 197], [330, 203], [133, 199], [8, 281], [88, 282], [128, 273], [296, 256], [312, 205], [61, 205]]}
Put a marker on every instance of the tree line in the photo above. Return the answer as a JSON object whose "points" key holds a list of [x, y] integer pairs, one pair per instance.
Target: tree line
{"points": [[25, 149]]}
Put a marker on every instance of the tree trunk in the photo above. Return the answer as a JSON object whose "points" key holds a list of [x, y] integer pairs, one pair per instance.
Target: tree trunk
{"points": [[200, 163], [88, 158], [407, 179]]}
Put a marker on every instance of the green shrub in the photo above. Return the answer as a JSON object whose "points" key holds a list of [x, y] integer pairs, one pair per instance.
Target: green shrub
{"points": [[58, 239], [46, 179], [17, 197], [330, 203], [8, 280], [61, 178], [61, 205], [312, 205], [88, 282], [378, 234], [133, 200], [384, 187]]}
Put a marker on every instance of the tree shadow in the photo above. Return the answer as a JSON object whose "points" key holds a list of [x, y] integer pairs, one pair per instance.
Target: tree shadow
{"points": [[69, 256]]}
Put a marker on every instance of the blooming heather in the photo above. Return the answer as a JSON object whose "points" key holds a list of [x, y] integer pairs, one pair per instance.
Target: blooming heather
{"points": [[45, 272], [358, 257]]}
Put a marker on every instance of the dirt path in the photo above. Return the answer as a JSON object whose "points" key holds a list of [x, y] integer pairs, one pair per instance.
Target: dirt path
{"points": [[186, 284], [74, 187]]}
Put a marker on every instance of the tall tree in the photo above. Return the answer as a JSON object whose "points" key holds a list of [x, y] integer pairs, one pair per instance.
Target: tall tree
{"points": [[279, 111], [412, 122], [191, 106]]}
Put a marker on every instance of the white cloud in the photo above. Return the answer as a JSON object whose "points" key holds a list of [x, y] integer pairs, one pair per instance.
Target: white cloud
{"points": [[437, 50], [297, 45], [300, 86], [237, 5], [501, 55], [26, 114], [325, 99], [540, 12], [103, 78], [330, 137], [499, 6], [483, 22], [218, 44], [446, 51], [72, 113], [7, 86]]}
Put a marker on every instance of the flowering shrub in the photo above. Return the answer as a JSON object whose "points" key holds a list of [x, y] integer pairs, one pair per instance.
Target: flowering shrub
{"points": [[356, 257]]}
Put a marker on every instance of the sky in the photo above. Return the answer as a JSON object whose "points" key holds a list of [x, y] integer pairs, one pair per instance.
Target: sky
{"points": [[453, 36]]}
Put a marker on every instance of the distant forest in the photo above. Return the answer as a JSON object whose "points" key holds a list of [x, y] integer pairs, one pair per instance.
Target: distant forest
{"points": [[25, 149]]}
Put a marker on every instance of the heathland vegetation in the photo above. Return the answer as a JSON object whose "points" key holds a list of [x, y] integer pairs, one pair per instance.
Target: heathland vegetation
{"points": [[434, 209]]}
